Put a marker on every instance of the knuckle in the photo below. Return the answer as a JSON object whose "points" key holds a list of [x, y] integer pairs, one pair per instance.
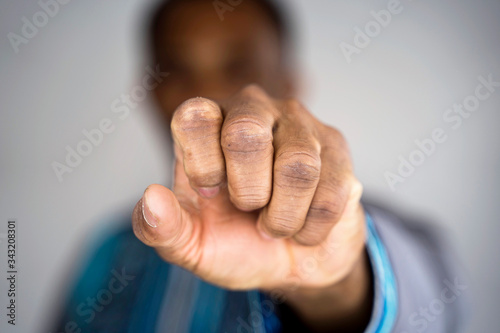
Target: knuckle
{"points": [[253, 89], [296, 110], [328, 204], [200, 177], [204, 168], [332, 131], [294, 104], [299, 167], [196, 114], [246, 135], [311, 236], [327, 210], [249, 197], [335, 137], [282, 226]]}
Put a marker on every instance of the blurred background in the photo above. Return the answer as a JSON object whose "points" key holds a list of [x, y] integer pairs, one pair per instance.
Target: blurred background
{"points": [[65, 77]]}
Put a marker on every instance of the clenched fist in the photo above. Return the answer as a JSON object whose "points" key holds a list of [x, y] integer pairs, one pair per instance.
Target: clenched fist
{"points": [[264, 197]]}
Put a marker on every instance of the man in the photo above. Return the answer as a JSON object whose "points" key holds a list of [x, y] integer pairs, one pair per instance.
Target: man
{"points": [[264, 230]]}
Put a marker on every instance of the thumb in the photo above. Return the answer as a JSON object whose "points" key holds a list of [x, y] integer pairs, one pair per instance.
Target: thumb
{"points": [[159, 221]]}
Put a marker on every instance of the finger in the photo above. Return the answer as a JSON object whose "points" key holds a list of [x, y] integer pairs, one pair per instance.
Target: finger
{"points": [[159, 221], [196, 126], [247, 143], [334, 188], [191, 201], [297, 168]]}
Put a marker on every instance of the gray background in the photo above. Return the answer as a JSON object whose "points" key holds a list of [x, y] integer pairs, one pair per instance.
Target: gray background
{"points": [[394, 91]]}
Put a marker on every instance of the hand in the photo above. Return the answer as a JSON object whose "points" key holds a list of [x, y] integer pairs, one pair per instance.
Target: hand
{"points": [[264, 197]]}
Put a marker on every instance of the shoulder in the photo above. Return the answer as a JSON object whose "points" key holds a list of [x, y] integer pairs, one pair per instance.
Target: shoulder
{"points": [[431, 283]]}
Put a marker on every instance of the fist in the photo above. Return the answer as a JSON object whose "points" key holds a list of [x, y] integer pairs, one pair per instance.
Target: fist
{"points": [[264, 196]]}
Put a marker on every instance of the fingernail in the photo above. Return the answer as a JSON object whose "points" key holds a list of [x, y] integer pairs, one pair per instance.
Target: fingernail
{"points": [[149, 217], [208, 192]]}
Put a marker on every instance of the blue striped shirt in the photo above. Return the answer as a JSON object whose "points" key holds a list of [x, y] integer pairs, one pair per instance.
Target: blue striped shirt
{"points": [[126, 287]]}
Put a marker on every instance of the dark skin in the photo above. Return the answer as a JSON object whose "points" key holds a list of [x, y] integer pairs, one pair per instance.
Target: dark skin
{"points": [[264, 194]]}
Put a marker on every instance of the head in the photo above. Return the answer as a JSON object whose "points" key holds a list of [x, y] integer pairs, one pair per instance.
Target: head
{"points": [[213, 53]]}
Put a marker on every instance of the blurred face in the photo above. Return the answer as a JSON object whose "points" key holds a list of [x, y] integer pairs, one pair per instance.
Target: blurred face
{"points": [[211, 58]]}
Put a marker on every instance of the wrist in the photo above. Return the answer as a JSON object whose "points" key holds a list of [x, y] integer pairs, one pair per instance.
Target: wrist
{"points": [[345, 305]]}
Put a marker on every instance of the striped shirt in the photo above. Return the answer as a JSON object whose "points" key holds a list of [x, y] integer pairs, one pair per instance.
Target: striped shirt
{"points": [[126, 287]]}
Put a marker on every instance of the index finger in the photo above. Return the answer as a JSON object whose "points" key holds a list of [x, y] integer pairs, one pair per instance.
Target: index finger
{"points": [[196, 127]]}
